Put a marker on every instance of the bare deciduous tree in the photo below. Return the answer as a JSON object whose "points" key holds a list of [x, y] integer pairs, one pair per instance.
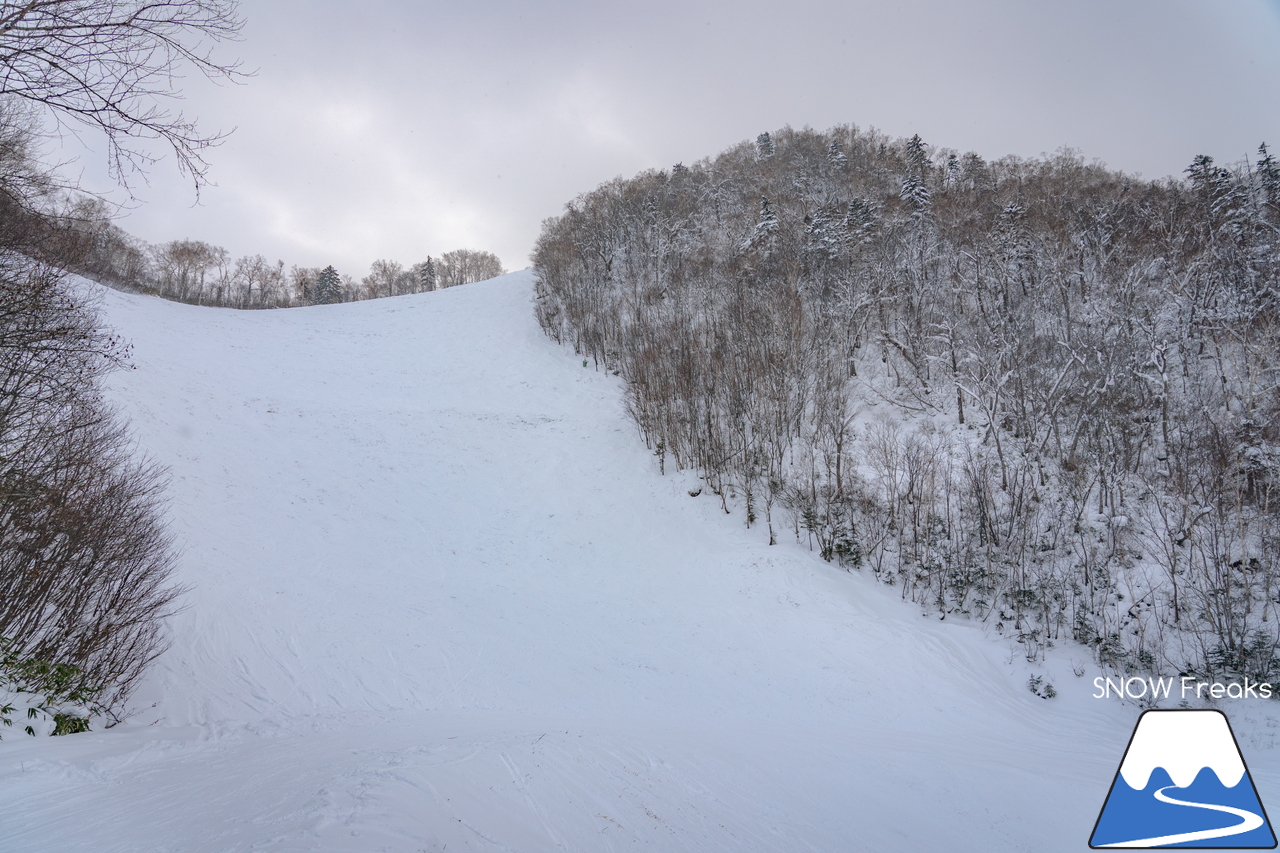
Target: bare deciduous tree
{"points": [[465, 266], [385, 278], [110, 64], [85, 559]]}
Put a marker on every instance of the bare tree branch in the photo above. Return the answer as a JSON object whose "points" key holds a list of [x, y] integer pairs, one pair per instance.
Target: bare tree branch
{"points": [[109, 65]]}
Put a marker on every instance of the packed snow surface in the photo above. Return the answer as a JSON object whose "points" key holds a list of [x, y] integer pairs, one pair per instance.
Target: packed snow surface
{"points": [[442, 599]]}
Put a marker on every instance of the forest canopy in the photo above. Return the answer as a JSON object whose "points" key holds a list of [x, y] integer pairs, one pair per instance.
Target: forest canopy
{"points": [[1036, 392]]}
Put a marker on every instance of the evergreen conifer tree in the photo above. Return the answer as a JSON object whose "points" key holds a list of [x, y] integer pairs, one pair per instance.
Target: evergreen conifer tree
{"points": [[916, 194], [1268, 176], [860, 216], [427, 275], [954, 172], [835, 155], [1201, 173], [859, 220], [766, 229], [823, 238], [764, 146], [917, 158], [328, 287]]}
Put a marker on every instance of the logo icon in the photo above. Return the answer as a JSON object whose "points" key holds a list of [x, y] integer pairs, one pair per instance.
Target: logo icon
{"points": [[1183, 783]]}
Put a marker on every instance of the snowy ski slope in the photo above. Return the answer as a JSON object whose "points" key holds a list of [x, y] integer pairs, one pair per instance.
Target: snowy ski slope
{"points": [[442, 600]]}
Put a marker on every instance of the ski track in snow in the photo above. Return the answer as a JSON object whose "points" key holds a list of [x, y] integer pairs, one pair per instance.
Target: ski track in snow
{"points": [[442, 599]]}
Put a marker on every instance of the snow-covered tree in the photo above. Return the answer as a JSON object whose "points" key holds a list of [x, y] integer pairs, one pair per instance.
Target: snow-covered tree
{"points": [[918, 162], [426, 275], [764, 146], [915, 192], [1268, 176], [328, 287], [835, 155], [766, 228]]}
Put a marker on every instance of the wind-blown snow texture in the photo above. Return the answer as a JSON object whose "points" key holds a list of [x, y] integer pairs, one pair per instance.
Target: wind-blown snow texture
{"points": [[443, 599]]}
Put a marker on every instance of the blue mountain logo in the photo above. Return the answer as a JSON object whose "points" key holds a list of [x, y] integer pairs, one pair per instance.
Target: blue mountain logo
{"points": [[1183, 783]]}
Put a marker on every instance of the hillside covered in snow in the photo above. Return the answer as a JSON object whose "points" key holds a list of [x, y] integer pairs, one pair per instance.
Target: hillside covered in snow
{"points": [[441, 598]]}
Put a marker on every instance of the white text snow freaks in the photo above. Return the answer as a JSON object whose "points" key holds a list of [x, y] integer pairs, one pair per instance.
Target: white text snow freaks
{"points": [[1188, 687]]}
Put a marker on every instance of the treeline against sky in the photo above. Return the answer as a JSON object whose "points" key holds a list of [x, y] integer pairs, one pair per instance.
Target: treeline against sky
{"points": [[1035, 392], [203, 274]]}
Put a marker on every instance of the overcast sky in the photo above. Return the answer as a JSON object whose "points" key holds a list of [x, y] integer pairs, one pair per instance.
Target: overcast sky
{"points": [[407, 129]]}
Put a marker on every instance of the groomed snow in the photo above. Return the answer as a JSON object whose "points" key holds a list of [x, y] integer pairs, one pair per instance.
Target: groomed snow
{"points": [[442, 600]]}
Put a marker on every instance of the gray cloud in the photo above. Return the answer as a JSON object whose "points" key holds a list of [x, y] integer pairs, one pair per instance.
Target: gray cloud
{"points": [[407, 129]]}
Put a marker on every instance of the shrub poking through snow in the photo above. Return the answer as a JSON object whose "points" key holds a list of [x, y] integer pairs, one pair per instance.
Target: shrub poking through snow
{"points": [[57, 698]]}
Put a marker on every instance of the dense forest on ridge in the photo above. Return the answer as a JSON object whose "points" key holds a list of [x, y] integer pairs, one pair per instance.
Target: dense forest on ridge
{"points": [[1034, 392]]}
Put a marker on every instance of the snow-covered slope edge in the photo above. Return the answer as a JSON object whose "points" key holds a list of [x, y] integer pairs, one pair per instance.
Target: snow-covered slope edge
{"points": [[442, 598]]}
